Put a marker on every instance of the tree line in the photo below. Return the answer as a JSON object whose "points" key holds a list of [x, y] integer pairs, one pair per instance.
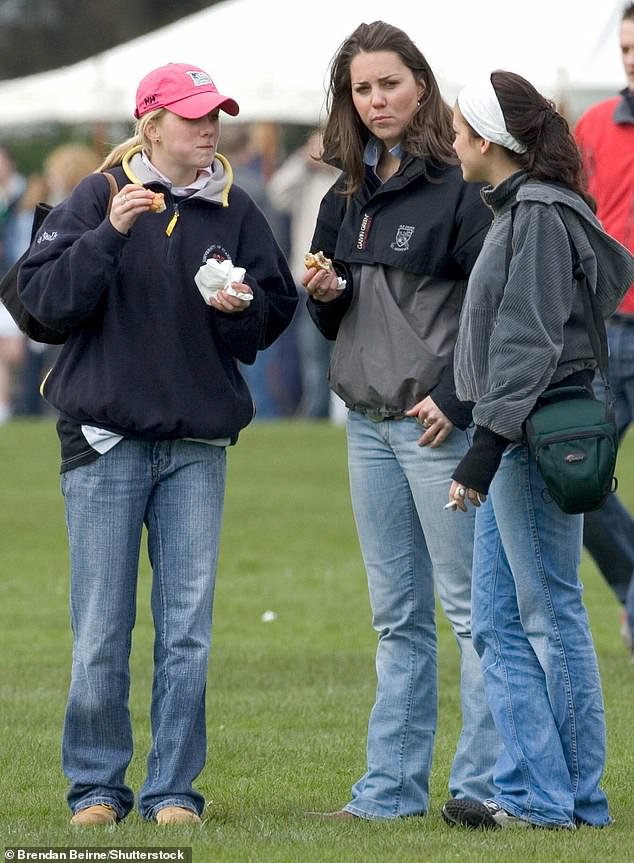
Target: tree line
{"points": [[38, 35]]}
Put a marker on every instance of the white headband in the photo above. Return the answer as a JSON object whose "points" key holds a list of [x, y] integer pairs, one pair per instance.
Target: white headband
{"points": [[479, 106]]}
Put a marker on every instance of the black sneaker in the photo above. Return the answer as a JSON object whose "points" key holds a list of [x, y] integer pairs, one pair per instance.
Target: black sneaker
{"points": [[488, 815]]}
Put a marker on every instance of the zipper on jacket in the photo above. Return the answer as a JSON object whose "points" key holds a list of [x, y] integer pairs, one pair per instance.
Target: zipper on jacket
{"points": [[172, 222]]}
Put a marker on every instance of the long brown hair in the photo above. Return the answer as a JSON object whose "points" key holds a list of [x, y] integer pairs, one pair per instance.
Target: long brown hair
{"points": [[429, 133], [552, 153]]}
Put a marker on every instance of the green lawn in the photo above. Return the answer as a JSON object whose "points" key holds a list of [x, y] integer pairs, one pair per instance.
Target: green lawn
{"points": [[288, 699]]}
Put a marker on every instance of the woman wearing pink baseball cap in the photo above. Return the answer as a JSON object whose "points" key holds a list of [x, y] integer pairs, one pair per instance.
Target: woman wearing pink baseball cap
{"points": [[165, 290], [184, 90]]}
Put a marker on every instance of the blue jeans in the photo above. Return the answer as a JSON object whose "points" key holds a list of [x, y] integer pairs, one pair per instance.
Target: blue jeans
{"points": [[175, 488], [409, 544], [314, 352], [531, 630], [608, 532]]}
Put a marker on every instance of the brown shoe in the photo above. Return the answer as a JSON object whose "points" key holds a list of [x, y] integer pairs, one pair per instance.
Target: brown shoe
{"points": [[340, 814], [177, 815], [101, 814]]}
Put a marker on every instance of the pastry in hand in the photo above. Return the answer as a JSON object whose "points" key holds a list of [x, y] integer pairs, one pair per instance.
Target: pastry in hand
{"points": [[317, 260], [158, 203]]}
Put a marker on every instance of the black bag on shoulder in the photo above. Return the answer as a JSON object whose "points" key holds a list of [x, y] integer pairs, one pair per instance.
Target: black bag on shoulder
{"points": [[574, 440], [573, 435], [29, 325]]}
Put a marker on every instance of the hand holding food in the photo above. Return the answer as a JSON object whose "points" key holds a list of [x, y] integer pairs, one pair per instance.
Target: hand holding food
{"points": [[215, 276], [317, 260], [158, 203], [323, 285]]}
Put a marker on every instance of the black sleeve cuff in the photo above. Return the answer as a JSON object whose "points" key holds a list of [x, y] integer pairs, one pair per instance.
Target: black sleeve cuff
{"points": [[444, 396], [327, 316], [478, 466]]}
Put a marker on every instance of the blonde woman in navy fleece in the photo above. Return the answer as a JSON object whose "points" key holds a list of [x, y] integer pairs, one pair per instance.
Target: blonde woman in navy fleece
{"points": [[149, 395]]}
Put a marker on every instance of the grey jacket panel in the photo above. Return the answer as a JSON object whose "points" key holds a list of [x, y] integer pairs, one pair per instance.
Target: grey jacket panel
{"points": [[522, 325], [395, 340]]}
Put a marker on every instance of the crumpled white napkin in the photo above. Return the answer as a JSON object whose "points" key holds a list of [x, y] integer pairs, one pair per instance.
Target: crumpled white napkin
{"points": [[216, 276]]}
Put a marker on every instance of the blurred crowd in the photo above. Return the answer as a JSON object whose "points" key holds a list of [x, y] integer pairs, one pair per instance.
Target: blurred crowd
{"points": [[288, 379]]}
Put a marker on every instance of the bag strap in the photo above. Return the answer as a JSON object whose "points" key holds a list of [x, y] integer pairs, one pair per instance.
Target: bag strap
{"points": [[594, 319], [114, 188], [42, 209], [592, 314]]}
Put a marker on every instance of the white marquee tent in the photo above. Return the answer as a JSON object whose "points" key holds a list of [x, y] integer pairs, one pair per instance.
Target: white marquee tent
{"points": [[273, 56]]}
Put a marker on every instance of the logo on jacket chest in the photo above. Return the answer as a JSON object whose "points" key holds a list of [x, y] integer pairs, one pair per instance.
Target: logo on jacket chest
{"points": [[218, 253], [404, 233], [364, 231]]}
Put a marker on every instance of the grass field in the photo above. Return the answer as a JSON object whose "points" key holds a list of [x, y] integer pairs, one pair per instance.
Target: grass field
{"points": [[288, 699]]}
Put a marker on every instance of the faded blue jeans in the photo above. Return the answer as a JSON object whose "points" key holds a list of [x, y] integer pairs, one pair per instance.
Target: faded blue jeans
{"points": [[531, 630], [175, 488], [609, 531], [411, 544]]}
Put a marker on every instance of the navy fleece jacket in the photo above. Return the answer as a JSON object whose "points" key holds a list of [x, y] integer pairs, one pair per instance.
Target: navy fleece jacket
{"points": [[148, 358]]}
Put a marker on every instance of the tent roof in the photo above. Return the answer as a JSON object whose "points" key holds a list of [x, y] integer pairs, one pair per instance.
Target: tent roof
{"points": [[265, 55]]}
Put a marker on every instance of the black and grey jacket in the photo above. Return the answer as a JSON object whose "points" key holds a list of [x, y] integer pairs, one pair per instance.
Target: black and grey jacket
{"points": [[406, 248]]}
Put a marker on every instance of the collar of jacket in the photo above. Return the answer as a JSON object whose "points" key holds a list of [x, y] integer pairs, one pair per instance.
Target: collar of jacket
{"points": [[216, 190], [624, 111]]}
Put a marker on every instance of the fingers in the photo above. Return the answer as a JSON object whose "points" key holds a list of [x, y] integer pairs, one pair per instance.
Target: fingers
{"points": [[321, 286], [224, 302], [460, 496], [437, 429], [132, 198], [128, 204]]}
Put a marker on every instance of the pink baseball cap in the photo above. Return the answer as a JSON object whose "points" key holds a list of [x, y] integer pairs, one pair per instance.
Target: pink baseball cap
{"points": [[183, 89]]}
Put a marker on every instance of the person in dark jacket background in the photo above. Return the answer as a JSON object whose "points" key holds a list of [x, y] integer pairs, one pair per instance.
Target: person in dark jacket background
{"points": [[605, 135], [149, 395], [404, 231]]}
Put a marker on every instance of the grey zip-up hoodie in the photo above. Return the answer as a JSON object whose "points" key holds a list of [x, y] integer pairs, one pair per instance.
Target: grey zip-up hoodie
{"points": [[522, 325]]}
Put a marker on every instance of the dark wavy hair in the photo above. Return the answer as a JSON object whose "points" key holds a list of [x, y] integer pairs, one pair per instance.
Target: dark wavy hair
{"points": [[429, 134], [552, 153]]}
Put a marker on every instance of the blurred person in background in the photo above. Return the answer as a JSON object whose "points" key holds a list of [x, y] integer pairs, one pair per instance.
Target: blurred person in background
{"points": [[605, 135], [12, 186], [63, 168], [274, 378], [296, 189]]}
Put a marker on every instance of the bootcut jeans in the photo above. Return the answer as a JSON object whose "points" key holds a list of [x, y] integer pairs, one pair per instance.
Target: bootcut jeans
{"points": [[411, 545], [175, 488], [531, 629]]}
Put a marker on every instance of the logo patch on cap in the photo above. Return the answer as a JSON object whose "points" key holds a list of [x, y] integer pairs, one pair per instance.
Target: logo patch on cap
{"points": [[200, 79]]}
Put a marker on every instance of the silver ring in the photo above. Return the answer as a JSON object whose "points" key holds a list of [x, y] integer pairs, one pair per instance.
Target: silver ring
{"points": [[125, 198], [462, 491]]}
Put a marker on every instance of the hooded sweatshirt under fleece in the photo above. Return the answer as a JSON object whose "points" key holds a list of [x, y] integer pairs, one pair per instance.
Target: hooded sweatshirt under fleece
{"points": [[148, 358]]}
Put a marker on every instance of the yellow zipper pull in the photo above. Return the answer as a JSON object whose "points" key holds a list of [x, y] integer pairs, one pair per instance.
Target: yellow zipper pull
{"points": [[172, 224]]}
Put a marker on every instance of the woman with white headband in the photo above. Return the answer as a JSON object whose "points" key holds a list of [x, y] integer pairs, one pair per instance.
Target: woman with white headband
{"points": [[522, 331]]}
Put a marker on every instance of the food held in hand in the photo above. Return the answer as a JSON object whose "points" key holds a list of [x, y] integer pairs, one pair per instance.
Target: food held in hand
{"points": [[317, 260], [158, 203]]}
